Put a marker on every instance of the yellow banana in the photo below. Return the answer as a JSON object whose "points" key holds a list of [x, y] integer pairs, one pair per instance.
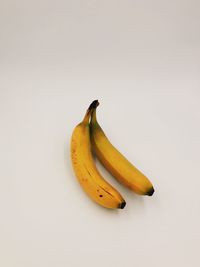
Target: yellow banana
{"points": [[115, 162], [88, 175]]}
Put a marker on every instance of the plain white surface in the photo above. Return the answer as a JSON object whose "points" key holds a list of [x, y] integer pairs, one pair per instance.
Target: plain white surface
{"points": [[141, 59]]}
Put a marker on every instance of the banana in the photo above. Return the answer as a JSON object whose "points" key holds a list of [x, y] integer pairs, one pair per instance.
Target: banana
{"points": [[115, 162], [83, 164]]}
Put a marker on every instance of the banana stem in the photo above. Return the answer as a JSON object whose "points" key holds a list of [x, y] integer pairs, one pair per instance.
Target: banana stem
{"points": [[91, 110], [87, 116], [94, 116]]}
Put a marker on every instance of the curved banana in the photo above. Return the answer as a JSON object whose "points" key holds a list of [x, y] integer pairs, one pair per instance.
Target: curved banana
{"points": [[88, 175], [116, 163]]}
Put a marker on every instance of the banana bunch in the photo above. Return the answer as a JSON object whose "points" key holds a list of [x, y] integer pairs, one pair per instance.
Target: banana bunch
{"points": [[88, 136]]}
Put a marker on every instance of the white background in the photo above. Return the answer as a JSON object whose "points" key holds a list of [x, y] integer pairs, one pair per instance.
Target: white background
{"points": [[141, 59]]}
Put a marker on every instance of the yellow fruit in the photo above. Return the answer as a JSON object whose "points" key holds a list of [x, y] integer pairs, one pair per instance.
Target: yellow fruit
{"points": [[116, 163], [89, 177]]}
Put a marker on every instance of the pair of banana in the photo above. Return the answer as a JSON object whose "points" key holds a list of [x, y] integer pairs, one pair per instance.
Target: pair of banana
{"points": [[88, 136]]}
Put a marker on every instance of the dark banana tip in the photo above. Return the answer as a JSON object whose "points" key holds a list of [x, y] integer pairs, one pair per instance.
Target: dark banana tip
{"points": [[122, 205], [93, 105], [150, 192]]}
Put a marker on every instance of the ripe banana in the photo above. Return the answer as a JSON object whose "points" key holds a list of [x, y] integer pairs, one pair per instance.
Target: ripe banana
{"points": [[88, 175], [115, 162]]}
